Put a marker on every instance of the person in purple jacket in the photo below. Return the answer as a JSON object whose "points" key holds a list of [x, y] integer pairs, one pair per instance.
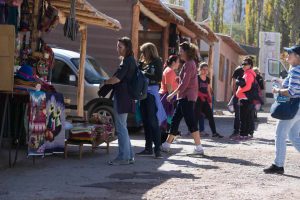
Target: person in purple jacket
{"points": [[187, 93]]}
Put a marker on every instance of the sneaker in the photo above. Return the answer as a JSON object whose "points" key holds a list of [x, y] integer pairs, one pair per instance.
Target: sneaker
{"points": [[273, 169], [131, 161], [158, 155], [217, 135], [234, 134], [119, 162], [196, 152], [165, 148], [145, 153]]}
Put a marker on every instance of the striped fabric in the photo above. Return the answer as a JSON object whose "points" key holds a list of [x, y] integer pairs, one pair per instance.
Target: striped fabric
{"points": [[292, 82]]}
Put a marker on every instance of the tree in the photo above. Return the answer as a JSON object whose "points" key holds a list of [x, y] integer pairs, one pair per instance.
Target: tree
{"points": [[205, 12], [251, 19], [216, 12], [237, 10]]}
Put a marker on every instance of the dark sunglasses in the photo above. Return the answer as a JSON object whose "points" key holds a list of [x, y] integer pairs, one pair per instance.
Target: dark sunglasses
{"points": [[245, 64]]}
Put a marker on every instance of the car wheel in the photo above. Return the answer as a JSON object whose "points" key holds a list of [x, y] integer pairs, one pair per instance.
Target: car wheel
{"points": [[103, 110]]}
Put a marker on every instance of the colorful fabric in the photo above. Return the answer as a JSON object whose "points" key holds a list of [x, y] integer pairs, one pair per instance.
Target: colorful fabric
{"points": [[37, 123], [161, 113], [55, 131]]}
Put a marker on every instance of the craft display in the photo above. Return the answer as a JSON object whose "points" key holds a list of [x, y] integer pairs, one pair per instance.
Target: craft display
{"points": [[37, 123], [99, 129]]}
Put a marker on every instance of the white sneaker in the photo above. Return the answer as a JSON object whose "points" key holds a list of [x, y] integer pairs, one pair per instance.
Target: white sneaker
{"points": [[198, 151], [165, 148]]}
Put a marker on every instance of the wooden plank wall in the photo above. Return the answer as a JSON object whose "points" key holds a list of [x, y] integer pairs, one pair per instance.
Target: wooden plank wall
{"points": [[101, 42]]}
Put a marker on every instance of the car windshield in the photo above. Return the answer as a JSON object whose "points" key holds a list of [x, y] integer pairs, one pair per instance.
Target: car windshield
{"points": [[91, 74]]}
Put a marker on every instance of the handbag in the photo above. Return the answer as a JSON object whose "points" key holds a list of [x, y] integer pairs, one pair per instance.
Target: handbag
{"points": [[285, 110]]}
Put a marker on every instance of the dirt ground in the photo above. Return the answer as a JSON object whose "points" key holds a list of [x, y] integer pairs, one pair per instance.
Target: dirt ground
{"points": [[229, 170]]}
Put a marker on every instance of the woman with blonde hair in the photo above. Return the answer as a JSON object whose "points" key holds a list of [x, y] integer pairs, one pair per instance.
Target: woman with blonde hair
{"points": [[152, 111], [187, 92]]}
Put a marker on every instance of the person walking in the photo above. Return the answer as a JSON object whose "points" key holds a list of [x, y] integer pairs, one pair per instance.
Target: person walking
{"points": [[167, 86], [291, 127], [204, 100], [186, 95], [246, 105], [153, 113], [122, 102]]}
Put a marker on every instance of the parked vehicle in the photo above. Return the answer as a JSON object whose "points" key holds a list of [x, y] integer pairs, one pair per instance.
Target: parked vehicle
{"points": [[269, 61], [64, 78]]}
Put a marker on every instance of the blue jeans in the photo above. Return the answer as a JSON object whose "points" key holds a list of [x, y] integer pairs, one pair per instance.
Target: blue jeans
{"points": [[125, 149], [286, 127]]}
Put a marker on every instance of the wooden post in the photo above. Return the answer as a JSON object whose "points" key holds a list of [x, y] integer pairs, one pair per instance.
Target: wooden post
{"points": [[166, 34], [211, 63], [80, 89], [135, 29], [35, 31]]}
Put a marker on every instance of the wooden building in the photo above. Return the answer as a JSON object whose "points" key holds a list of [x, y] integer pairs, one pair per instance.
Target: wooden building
{"points": [[142, 21]]}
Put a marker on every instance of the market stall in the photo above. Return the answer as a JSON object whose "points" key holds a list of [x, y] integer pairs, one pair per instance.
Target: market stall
{"points": [[26, 66]]}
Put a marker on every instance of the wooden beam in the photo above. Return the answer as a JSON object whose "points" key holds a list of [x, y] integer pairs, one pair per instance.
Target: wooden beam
{"points": [[152, 16], [80, 89], [186, 31], [135, 29], [211, 63], [166, 34]]}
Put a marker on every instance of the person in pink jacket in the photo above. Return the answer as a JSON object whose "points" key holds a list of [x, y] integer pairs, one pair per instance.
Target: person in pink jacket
{"points": [[244, 95]]}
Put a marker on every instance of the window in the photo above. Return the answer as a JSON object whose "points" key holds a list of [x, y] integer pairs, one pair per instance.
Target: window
{"points": [[221, 68], [61, 73]]}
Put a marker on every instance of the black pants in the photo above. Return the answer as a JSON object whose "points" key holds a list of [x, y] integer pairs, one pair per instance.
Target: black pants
{"points": [[246, 118], [204, 107], [184, 109], [151, 124], [236, 125]]}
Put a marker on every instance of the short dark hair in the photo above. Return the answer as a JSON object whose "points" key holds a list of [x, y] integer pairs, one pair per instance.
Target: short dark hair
{"points": [[248, 61], [171, 59], [128, 45]]}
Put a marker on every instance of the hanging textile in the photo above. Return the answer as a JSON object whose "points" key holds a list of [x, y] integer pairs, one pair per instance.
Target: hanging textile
{"points": [[55, 131], [37, 123]]}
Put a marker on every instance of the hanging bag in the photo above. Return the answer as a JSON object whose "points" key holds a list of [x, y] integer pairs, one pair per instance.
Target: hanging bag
{"points": [[49, 17], [285, 110], [25, 21], [71, 26]]}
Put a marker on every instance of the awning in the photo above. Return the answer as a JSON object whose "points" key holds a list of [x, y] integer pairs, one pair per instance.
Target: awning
{"points": [[190, 27], [233, 44], [211, 35], [85, 14], [162, 11]]}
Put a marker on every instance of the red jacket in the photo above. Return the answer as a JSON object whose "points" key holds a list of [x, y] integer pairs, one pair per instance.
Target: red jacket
{"points": [[249, 76]]}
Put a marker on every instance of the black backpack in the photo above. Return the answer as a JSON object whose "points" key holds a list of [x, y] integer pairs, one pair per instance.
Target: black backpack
{"points": [[253, 93], [138, 85]]}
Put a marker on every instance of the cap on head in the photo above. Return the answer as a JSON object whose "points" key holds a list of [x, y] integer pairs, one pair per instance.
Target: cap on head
{"points": [[294, 49]]}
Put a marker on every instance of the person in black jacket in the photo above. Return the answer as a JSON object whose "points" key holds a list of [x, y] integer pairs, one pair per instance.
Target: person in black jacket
{"points": [[151, 107], [123, 103]]}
